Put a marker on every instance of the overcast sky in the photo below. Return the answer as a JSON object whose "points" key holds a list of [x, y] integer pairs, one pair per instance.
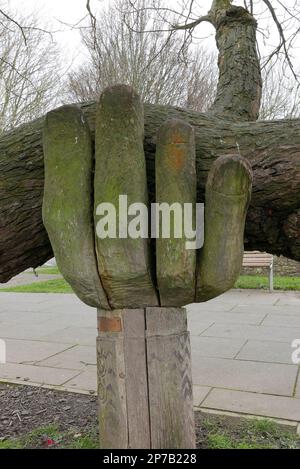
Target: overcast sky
{"points": [[53, 11]]}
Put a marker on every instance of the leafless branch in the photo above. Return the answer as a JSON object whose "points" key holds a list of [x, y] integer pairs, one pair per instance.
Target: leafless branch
{"points": [[11, 19]]}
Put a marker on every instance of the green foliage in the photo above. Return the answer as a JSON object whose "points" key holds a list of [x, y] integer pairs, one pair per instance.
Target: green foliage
{"points": [[217, 441], [89, 441], [229, 433], [257, 282], [49, 286], [45, 271], [10, 444], [37, 436], [244, 282], [51, 437]]}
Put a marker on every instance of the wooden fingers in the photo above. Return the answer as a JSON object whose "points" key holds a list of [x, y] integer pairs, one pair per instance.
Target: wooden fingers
{"points": [[120, 170], [176, 188], [227, 196], [97, 214], [68, 202]]}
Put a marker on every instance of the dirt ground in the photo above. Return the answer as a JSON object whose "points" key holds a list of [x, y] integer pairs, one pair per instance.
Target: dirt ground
{"points": [[35, 417], [25, 408]]}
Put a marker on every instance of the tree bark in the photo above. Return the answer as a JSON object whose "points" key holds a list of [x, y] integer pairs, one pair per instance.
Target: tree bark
{"points": [[273, 149]]}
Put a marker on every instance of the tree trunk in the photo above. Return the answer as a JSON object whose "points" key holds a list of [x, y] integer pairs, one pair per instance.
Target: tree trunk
{"points": [[273, 149], [240, 84]]}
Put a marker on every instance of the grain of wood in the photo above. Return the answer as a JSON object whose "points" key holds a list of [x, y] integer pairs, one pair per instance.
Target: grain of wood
{"points": [[136, 379], [111, 375], [144, 380], [176, 185], [169, 379]]}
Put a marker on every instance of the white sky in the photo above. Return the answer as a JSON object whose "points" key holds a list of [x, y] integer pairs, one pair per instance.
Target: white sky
{"points": [[51, 12], [71, 11]]}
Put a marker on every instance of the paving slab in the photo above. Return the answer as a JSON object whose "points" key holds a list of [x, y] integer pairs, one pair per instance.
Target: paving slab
{"points": [[75, 358], [32, 332], [285, 320], [198, 327], [285, 408], [72, 335], [268, 309], [297, 391], [241, 348], [199, 394], [86, 380], [210, 306], [251, 297], [266, 351], [36, 374], [289, 298], [27, 351], [266, 378], [271, 333], [215, 347], [254, 318]]}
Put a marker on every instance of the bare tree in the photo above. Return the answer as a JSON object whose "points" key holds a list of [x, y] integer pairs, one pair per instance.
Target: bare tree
{"points": [[150, 62], [29, 71], [202, 80], [281, 94]]}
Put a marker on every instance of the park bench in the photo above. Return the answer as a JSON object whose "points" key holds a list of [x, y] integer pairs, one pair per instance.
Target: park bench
{"points": [[260, 259]]}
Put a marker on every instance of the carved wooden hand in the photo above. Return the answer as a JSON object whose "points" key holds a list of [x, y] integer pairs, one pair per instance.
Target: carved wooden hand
{"points": [[116, 273]]}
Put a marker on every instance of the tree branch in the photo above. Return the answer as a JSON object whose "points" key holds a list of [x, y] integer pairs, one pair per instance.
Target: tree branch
{"points": [[21, 28], [283, 43], [192, 25]]}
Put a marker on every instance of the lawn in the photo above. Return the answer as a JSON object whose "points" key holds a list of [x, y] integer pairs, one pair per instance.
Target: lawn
{"points": [[44, 270], [213, 432], [257, 282], [219, 432], [49, 286], [51, 437], [245, 281]]}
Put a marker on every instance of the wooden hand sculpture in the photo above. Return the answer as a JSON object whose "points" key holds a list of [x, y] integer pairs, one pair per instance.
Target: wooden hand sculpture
{"points": [[122, 272], [139, 284]]}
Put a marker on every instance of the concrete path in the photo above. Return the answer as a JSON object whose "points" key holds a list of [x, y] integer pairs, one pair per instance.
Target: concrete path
{"points": [[241, 348]]}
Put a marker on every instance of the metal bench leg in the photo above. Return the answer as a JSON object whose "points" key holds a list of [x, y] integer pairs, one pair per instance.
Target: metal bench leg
{"points": [[271, 283]]}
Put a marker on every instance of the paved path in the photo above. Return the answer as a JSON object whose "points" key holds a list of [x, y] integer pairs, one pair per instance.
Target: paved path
{"points": [[241, 348], [27, 278]]}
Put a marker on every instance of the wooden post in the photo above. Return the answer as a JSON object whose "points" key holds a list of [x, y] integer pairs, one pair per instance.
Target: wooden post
{"points": [[144, 379]]}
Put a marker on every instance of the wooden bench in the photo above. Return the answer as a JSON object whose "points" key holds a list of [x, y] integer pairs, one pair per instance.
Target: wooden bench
{"points": [[260, 259]]}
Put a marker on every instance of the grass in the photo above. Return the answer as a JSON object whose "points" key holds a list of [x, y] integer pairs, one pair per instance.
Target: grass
{"points": [[257, 282], [245, 281], [216, 432], [51, 437], [49, 286], [228, 433], [45, 270]]}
